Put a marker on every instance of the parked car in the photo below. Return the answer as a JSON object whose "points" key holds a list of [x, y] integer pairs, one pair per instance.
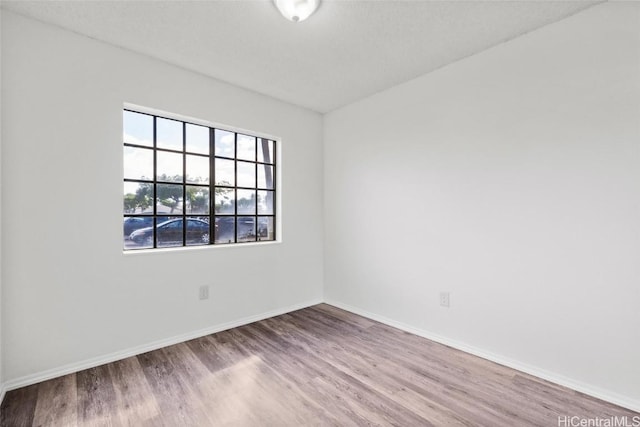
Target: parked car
{"points": [[170, 233], [226, 229], [134, 223]]}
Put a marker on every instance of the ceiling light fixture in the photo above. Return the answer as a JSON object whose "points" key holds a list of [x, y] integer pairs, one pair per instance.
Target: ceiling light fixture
{"points": [[297, 10]]}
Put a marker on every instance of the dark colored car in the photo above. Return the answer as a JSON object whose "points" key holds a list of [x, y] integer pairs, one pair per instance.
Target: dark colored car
{"points": [[133, 223], [226, 228], [169, 233]]}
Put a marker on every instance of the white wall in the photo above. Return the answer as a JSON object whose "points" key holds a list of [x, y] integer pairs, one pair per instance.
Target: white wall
{"points": [[1, 101], [512, 180], [71, 293]]}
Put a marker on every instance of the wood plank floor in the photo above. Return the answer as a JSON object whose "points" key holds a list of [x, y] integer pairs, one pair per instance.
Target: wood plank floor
{"points": [[320, 366]]}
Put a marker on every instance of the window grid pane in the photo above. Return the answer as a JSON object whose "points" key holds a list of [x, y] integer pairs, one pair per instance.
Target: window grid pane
{"points": [[192, 185]]}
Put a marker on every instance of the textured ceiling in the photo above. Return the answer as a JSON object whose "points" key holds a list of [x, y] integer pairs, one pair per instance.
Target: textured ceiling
{"points": [[346, 51]]}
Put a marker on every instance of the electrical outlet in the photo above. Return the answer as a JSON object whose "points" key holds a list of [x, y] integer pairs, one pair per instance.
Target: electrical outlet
{"points": [[444, 299], [204, 292]]}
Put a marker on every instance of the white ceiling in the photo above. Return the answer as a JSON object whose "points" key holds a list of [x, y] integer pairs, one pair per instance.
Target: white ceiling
{"points": [[346, 51]]}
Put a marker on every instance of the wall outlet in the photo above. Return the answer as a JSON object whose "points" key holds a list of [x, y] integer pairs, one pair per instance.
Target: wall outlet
{"points": [[444, 299], [204, 292]]}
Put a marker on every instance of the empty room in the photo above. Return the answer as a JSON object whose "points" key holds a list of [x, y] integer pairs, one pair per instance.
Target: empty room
{"points": [[320, 213]]}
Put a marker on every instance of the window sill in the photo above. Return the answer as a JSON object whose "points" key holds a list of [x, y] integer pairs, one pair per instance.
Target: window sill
{"points": [[152, 251]]}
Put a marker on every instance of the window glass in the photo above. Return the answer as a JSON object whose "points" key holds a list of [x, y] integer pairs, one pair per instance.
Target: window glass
{"points": [[169, 134], [224, 143], [137, 128], [225, 172], [138, 163], [169, 167], [265, 176], [197, 139], [265, 151], [246, 149], [246, 174], [246, 229], [197, 169], [191, 185]]}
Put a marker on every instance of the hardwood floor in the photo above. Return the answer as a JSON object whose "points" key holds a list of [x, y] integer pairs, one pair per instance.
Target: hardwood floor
{"points": [[318, 366]]}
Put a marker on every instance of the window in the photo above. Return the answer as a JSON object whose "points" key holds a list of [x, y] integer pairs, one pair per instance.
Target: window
{"points": [[188, 185]]}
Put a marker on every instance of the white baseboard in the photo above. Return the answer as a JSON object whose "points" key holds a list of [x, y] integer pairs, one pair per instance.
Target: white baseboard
{"points": [[553, 377], [134, 351], [2, 392]]}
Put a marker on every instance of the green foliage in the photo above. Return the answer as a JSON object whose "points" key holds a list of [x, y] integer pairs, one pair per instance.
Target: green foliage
{"points": [[244, 202], [170, 195], [198, 199], [141, 200], [130, 203], [224, 201]]}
